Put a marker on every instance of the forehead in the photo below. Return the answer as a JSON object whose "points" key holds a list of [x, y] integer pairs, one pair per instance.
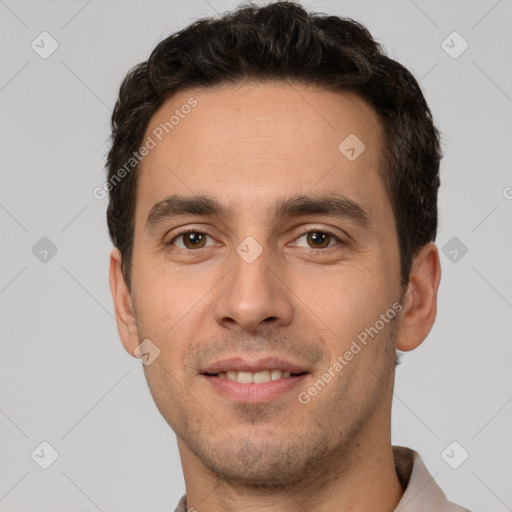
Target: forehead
{"points": [[242, 142]]}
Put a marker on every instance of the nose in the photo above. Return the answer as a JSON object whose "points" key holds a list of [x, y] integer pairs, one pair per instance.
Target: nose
{"points": [[253, 296]]}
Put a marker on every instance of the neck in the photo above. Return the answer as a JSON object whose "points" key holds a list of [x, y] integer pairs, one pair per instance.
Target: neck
{"points": [[359, 478]]}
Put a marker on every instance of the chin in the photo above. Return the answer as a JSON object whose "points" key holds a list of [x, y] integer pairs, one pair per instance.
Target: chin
{"points": [[272, 465]]}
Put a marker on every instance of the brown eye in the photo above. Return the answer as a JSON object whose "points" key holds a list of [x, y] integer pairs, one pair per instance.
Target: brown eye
{"points": [[190, 240], [318, 239], [193, 240]]}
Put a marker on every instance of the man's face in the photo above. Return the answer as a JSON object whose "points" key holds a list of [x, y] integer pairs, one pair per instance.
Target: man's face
{"points": [[264, 284]]}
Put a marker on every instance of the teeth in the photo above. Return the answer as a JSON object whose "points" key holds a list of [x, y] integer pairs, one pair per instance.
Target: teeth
{"points": [[263, 376], [257, 377], [245, 377], [276, 374]]}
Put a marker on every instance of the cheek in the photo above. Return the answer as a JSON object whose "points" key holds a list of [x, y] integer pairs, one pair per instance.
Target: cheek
{"points": [[164, 300], [350, 301], [171, 311], [165, 390]]}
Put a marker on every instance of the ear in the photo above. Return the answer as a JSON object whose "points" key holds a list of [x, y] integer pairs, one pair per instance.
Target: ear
{"points": [[125, 319], [420, 300]]}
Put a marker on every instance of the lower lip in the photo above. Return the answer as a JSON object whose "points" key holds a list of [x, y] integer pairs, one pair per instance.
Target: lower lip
{"points": [[253, 393]]}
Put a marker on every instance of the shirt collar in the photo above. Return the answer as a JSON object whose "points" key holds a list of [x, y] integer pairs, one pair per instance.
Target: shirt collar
{"points": [[422, 494]]}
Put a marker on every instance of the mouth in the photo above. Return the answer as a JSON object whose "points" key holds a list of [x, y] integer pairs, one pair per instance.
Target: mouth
{"points": [[258, 377], [245, 381]]}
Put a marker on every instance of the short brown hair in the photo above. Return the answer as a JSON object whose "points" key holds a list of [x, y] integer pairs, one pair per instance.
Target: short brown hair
{"points": [[282, 41]]}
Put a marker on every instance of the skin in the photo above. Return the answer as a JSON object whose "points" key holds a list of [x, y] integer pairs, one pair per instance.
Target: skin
{"points": [[248, 146]]}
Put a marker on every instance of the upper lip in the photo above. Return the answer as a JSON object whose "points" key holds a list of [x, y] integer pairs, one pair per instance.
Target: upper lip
{"points": [[253, 365]]}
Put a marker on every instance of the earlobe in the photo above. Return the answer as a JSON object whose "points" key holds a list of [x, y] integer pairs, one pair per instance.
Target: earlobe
{"points": [[125, 319], [420, 300]]}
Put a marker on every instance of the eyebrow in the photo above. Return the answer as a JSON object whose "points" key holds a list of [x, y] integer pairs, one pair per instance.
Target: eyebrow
{"points": [[332, 205]]}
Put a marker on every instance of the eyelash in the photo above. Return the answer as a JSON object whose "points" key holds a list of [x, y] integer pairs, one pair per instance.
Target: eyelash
{"points": [[314, 230]]}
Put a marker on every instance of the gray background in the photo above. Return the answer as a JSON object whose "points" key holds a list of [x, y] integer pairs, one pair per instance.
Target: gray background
{"points": [[64, 376]]}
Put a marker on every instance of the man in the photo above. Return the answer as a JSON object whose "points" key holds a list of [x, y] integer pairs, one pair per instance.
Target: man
{"points": [[273, 185]]}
